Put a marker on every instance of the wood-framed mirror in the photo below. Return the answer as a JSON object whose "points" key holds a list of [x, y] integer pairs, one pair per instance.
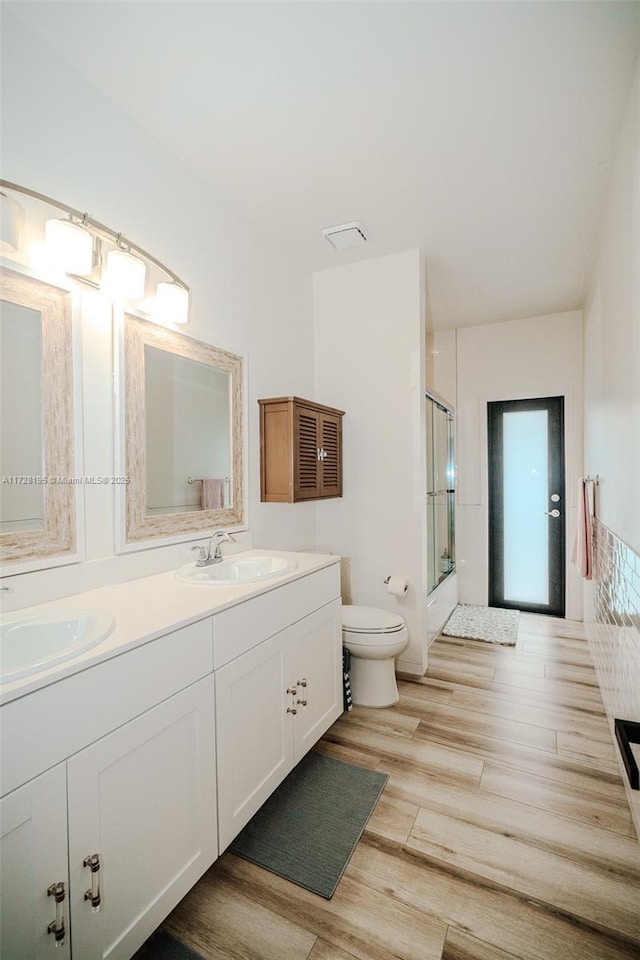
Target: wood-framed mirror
{"points": [[181, 443], [41, 490]]}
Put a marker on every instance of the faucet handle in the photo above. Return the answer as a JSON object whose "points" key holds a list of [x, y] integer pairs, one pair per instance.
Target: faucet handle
{"points": [[202, 556]]}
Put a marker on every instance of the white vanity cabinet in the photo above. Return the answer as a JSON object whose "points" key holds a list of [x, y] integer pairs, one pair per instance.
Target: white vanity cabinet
{"points": [[137, 803], [123, 780], [276, 699], [253, 731], [33, 860], [317, 662], [142, 800]]}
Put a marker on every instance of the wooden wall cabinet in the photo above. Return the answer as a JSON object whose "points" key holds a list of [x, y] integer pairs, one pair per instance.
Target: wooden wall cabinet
{"points": [[300, 450]]}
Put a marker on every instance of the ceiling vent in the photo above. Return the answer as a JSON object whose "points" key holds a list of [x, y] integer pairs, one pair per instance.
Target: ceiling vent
{"points": [[345, 235]]}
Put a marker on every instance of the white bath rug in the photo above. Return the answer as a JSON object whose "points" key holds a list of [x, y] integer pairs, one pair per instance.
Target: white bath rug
{"points": [[472, 622]]}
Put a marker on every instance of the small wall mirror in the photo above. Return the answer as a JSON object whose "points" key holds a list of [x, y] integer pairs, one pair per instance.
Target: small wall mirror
{"points": [[39, 493], [183, 443]]}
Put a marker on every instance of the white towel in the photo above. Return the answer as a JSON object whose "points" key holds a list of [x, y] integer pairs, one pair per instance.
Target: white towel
{"points": [[582, 553], [212, 494]]}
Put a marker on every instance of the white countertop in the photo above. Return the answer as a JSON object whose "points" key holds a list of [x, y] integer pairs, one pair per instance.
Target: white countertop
{"points": [[148, 608]]}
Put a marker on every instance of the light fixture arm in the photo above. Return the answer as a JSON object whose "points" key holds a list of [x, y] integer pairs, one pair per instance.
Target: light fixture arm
{"points": [[98, 229]]}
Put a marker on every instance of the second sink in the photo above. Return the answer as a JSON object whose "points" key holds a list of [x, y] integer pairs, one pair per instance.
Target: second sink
{"points": [[32, 643], [238, 570]]}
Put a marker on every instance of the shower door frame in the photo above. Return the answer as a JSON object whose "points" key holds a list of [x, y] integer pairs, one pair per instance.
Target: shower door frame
{"points": [[439, 495]]}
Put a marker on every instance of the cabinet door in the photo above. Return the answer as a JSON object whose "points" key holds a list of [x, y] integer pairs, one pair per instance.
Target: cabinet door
{"points": [[143, 799], [331, 456], [317, 651], [254, 731], [306, 447], [33, 845]]}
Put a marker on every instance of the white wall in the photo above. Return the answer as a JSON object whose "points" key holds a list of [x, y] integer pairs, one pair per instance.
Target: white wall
{"points": [[369, 354], [612, 343], [445, 379], [60, 136], [536, 357], [612, 432]]}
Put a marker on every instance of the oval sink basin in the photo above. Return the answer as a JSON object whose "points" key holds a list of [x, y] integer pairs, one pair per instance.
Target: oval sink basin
{"points": [[237, 571], [30, 644]]}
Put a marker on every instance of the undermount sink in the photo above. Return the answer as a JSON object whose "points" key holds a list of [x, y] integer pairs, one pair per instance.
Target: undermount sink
{"points": [[30, 644], [237, 571]]}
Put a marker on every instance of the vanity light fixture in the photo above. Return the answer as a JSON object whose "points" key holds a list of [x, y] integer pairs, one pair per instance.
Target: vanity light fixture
{"points": [[172, 304], [11, 220], [125, 275], [75, 244], [70, 246]]}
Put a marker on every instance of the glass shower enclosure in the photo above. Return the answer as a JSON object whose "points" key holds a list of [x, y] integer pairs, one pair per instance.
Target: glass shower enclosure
{"points": [[440, 491]]}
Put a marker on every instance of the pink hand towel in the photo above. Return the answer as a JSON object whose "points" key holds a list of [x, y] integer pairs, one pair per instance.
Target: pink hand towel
{"points": [[582, 553], [212, 494]]}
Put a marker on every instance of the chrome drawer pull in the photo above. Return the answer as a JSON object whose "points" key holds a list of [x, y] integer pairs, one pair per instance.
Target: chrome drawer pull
{"points": [[57, 926], [93, 895]]}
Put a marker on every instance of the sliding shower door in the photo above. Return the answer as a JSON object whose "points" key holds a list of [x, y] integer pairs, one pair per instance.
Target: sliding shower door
{"points": [[440, 493], [527, 505]]}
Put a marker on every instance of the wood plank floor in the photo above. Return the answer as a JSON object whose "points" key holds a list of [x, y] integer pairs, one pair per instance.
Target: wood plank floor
{"points": [[503, 831]]}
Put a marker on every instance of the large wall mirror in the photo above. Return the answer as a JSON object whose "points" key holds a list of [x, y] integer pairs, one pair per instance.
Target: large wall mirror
{"points": [[182, 449], [39, 492]]}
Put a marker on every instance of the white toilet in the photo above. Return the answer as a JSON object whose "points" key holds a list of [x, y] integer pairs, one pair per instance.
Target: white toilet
{"points": [[374, 638]]}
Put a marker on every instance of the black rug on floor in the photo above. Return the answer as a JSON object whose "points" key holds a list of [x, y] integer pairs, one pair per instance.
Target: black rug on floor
{"points": [[309, 827], [163, 946]]}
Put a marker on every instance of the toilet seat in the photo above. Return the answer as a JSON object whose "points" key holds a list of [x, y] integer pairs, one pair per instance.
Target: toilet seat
{"points": [[371, 620]]}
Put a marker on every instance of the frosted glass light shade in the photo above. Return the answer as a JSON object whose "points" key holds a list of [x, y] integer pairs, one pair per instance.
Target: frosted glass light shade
{"points": [[172, 304], [69, 246], [125, 275]]}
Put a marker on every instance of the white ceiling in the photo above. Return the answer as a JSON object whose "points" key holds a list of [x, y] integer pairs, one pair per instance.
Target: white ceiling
{"points": [[481, 132]]}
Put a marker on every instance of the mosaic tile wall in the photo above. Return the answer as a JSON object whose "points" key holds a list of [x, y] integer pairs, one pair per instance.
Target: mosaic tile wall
{"points": [[614, 633]]}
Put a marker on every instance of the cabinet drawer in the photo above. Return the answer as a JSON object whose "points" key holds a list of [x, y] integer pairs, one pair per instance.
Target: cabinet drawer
{"points": [[242, 627], [45, 727]]}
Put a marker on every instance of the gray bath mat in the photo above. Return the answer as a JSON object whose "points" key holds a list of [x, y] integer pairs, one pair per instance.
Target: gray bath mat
{"points": [[163, 946], [492, 624], [308, 829]]}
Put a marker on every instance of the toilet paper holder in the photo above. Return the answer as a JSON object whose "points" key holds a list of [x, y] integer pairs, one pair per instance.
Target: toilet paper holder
{"points": [[398, 586]]}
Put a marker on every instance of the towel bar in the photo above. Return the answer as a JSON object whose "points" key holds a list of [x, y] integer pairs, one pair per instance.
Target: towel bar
{"points": [[199, 480]]}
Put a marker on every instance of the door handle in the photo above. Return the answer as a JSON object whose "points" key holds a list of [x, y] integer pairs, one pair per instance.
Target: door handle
{"points": [[552, 513]]}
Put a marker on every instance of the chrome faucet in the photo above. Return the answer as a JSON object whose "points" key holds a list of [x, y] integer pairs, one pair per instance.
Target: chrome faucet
{"points": [[205, 557]]}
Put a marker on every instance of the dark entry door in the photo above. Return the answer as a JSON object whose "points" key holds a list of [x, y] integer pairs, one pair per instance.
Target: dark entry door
{"points": [[527, 505]]}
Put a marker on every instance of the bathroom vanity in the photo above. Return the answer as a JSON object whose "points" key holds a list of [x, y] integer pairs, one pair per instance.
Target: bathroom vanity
{"points": [[128, 769]]}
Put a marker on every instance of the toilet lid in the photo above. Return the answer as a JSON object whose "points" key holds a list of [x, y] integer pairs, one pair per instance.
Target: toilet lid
{"points": [[370, 620]]}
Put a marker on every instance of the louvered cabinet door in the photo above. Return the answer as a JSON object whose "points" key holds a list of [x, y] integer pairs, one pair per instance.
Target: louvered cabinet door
{"points": [[307, 454], [300, 450], [331, 456]]}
